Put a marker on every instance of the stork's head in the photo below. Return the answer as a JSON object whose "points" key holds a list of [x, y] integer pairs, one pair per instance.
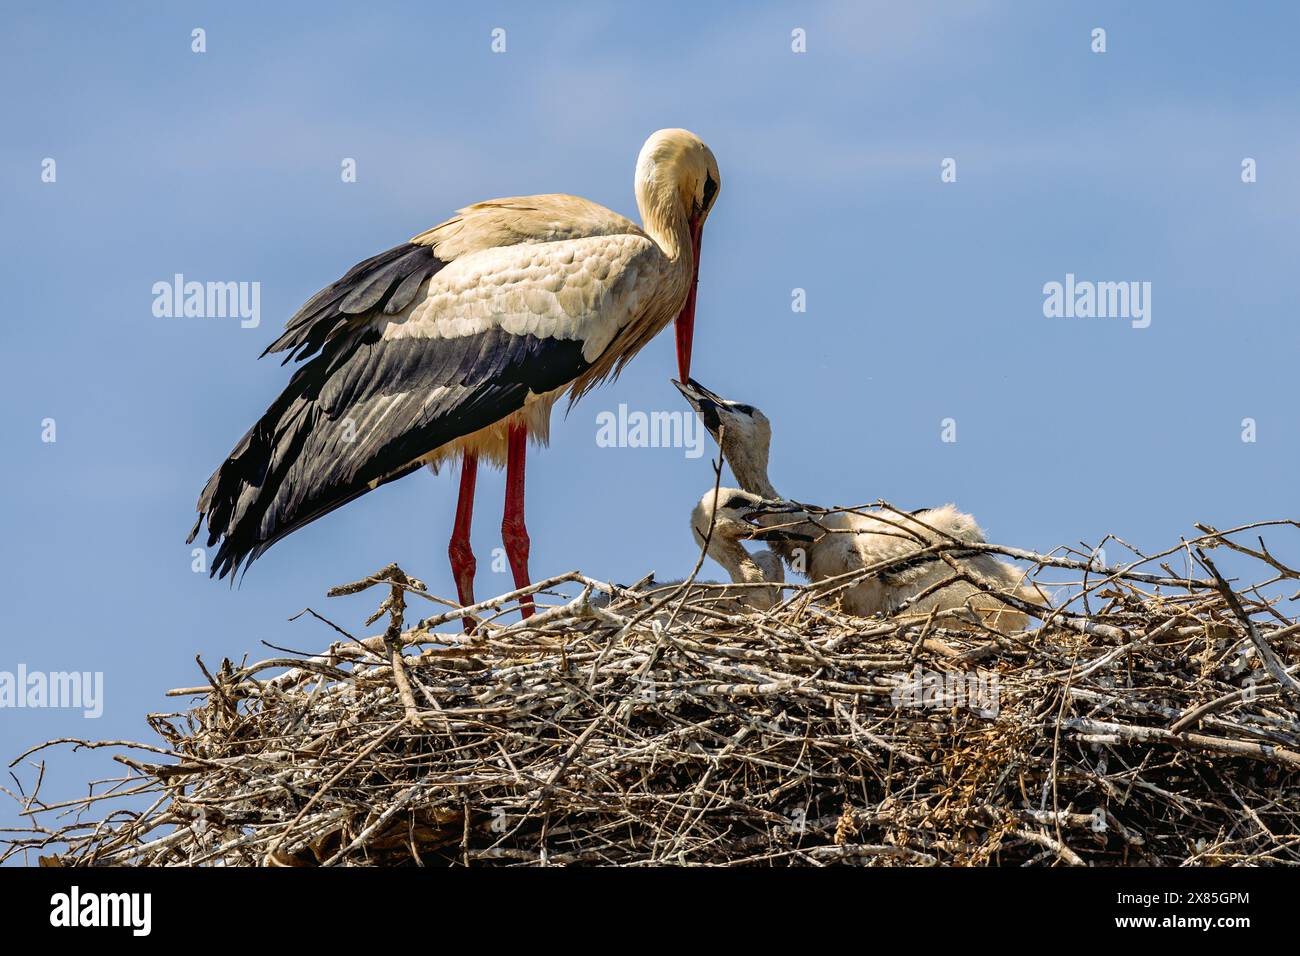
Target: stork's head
{"points": [[720, 516], [732, 514], [722, 520], [677, 182], [742, 431]]}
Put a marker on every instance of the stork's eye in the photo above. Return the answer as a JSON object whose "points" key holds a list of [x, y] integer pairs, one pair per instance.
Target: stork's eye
{"points": [[710, 191]]}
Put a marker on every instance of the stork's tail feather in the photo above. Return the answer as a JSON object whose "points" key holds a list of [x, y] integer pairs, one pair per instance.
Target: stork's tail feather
{"points": [[255, 498], [236, 497]]}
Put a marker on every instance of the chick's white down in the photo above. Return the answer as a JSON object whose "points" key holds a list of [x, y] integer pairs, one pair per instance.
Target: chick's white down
{"points": [[826, 546]]}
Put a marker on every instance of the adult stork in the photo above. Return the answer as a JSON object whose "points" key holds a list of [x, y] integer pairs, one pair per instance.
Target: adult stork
{"points": [[456, 345]]}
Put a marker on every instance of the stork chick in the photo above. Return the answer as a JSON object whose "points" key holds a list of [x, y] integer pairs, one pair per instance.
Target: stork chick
{"points": [[719, 525], [844, 542]]}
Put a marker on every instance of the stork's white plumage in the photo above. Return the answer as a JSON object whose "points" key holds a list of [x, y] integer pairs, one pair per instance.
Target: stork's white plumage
{"points": [[457, 344]]}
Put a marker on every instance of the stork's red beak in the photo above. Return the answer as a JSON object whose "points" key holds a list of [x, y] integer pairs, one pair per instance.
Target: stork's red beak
{"points": [[686, 319]]}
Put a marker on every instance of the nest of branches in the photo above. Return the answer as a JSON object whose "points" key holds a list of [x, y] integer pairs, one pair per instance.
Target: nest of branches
{"points": [[1148, 718]]}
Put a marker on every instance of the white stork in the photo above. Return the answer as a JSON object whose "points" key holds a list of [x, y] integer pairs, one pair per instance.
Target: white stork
{"points": [[456, 345], [842, 542]]}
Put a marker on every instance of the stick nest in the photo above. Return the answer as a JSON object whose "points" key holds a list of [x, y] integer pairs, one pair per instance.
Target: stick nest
{"points": [[1148, 718]]}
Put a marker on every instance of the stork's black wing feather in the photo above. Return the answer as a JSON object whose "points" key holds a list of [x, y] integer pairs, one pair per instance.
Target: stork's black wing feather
{"points": [[361, 414], [383, 284]]}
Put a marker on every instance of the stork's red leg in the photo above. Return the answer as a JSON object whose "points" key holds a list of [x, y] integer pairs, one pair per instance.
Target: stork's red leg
{"points": [[513, 533], [463, 564]]}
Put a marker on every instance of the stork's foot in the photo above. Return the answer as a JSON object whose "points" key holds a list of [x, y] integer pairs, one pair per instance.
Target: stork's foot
{"points": [[463, 567], [515, 537]]}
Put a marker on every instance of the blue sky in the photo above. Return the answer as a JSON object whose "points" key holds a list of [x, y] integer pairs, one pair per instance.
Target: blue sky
{"points": [[924, 299]]}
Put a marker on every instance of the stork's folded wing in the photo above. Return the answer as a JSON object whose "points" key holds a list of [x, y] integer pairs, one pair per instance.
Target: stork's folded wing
{"points": [[361, 414]]}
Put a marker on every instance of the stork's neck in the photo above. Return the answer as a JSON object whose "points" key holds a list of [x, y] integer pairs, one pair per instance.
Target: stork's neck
{"points": [[744, 568], [737, 562], [663, 217], [749, 465]]}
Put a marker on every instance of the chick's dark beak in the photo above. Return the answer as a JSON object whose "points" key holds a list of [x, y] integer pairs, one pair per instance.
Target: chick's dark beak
{"points": [[780, 535], [703, 401], [786, 533]]}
